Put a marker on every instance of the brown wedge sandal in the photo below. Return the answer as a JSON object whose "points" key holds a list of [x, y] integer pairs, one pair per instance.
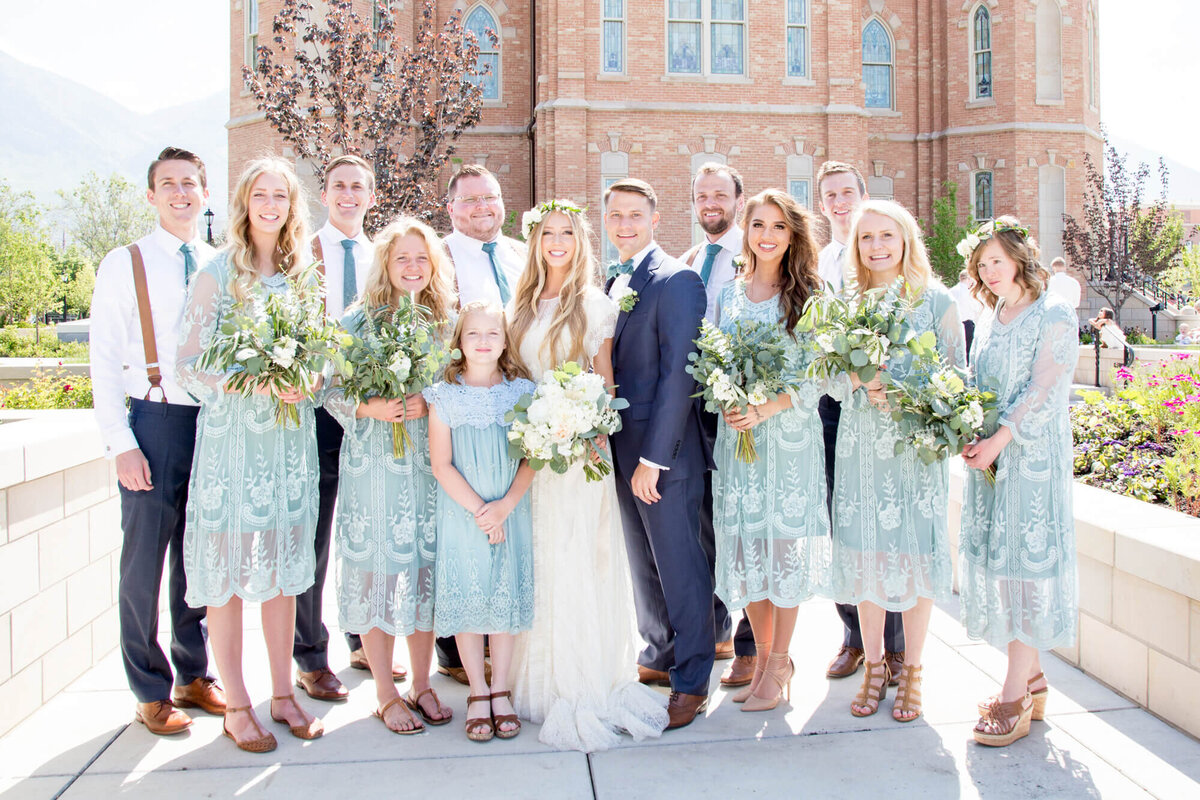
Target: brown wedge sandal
{"points": [[1004, 723], [870, 694], [381, 713], [743, 694], [500, 719], [1039, 699], [480, 729], [414, 703], [263, 744], [313, 729], [908, 695]]}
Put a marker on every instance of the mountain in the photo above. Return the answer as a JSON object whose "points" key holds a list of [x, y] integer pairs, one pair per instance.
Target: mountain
{"points": [[1183, 187], [55, 131]]}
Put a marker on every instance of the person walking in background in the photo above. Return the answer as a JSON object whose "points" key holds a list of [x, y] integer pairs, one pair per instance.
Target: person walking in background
{"points": [[969, 307]]}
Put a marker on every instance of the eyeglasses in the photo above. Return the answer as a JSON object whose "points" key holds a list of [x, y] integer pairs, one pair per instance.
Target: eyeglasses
{"points": [[478, 199]]}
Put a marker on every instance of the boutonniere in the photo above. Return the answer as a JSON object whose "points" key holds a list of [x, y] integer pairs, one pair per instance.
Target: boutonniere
{"points": [[626, 299], [739, 265]]}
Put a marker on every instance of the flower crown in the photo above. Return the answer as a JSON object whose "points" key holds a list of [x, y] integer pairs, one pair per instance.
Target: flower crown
{"points": [[984, 232], [536, 214]]}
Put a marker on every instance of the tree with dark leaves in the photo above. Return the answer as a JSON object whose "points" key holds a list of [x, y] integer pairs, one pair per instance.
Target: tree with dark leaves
{"points": [[336, 84]]}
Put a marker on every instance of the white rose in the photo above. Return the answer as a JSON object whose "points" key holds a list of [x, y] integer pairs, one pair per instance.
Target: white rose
{"points": [[528, 220], [757, 395], [825, 342]]}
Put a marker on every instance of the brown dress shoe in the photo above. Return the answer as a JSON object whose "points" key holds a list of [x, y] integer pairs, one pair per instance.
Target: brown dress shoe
{"points": [[845, 663], [201, 693], [724, 650], [653, 677], [683, 708], [162, 717], [358, 660], [740, 672], [895, 662], [321, 684], [459, 674]]}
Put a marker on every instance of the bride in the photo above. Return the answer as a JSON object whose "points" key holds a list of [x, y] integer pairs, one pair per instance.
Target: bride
{"points": [[573, 671]]}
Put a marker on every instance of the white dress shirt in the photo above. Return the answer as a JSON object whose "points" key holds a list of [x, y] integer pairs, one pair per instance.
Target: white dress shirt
{"points": [[831, 266], [473, 276], [335, 260], [118, 358], [723, 271], [1066, 287], [969, 307]]}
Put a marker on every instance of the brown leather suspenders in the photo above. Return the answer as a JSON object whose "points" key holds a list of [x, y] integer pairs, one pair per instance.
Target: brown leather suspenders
{"points": [[149, 345]]}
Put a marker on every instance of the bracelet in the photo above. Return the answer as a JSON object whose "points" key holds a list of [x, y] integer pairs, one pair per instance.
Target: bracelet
{"points": [[757, 415]]}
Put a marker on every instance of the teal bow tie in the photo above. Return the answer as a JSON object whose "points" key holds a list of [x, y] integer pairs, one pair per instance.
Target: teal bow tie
{"points": [[622, 268]]}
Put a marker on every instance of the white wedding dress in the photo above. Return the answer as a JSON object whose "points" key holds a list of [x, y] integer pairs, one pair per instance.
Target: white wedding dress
{"points": [[574, 672]]}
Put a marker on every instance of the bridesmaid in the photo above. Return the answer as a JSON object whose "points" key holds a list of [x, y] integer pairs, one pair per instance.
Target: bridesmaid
{"points": [[1017, 549], [252, 500], [891, 551], [386, 531], [771, 521]]}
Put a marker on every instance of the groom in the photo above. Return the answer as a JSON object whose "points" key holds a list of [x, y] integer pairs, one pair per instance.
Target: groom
{"points": [[659, 451]]}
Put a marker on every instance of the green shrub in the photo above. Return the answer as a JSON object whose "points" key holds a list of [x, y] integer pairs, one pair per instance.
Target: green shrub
{"points": [[16, 345], [49, 388]]}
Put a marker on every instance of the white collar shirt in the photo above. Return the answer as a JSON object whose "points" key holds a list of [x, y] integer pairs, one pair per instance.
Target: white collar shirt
{"points": [[830, 265], [1066, 287], [723, 270], [118, 359], [335, 265], [621, 282], [473, 275], [969, 307]]}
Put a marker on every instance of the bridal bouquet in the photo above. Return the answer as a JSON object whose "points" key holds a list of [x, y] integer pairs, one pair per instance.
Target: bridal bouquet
{"points": [[860, 335], [275, 341], [743, 367], [395, 353], [558, 424]]}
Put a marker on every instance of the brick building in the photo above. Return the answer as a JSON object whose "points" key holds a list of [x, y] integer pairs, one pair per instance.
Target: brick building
{"points": [[998, 96]]}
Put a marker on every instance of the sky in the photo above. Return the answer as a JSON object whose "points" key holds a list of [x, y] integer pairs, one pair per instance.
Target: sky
{"points": [[151, 54]]}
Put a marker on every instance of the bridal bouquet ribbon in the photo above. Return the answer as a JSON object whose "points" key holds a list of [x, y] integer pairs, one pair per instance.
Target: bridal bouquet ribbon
{"points": [[397, 352], [275, 341], [745, 366], [557, 425], [860, 335]]}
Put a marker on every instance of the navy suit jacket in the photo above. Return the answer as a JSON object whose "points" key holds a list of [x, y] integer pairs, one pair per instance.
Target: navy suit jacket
{"points": [[650, 353]]}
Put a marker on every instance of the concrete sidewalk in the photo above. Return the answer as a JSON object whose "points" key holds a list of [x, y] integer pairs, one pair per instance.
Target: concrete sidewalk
{"points": [[1094, 743]]}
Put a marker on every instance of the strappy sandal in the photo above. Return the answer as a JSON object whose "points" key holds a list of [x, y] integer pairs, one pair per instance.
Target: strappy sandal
{"points": [[870, 694], [474, 724], [313, 729], [1039, 699], [414, 703], [1009, 721], [381, 713], [759, 668], [500, 719], [779, 671], [908, 696], [263, 744]]}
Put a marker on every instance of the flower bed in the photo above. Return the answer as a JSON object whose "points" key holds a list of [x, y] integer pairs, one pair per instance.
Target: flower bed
{"points": [[1144, 442], [49, 388]]}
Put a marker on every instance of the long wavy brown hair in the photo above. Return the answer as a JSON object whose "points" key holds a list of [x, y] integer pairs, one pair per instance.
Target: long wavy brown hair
{"points": [[437, 295], [510, 364], [292, 252], [1021, 248], [799, 268], [569, 315]]}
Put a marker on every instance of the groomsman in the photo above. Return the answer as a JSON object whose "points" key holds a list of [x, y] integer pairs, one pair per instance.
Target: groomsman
{"points": [[345, 252], [660, 453], [842, 189], [487, 263], [718, 197], [137, 308]]}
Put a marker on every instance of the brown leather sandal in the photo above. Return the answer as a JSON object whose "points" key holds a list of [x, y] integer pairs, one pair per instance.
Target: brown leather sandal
{"points": [[908, 696], [500, 719], [870, 694], [1004, 723], [414, 703], [263, 744], [313, 729], [381, 713], [1039, 699], [474, 724]]}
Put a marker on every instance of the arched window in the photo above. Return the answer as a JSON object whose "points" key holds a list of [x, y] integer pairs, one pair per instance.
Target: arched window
{"points": [[981, 196], [877, 65], [981, 53], [797, 38], [479, 22], [1049, 51]]}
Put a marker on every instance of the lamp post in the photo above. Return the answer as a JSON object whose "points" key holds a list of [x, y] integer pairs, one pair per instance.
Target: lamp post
{"points": [[66, 280], [208, 218]]}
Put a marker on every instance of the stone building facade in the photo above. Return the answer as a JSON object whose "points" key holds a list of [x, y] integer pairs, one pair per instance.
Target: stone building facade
{"points": [[998, 96]]}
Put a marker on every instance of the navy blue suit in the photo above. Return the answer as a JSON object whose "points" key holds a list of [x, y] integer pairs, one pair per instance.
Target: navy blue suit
{"points": [[672, 585]]}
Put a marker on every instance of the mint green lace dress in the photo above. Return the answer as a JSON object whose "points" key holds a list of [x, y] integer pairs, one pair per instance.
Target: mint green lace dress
{"points": [[770, 519], [252, 497], [481, 587]]}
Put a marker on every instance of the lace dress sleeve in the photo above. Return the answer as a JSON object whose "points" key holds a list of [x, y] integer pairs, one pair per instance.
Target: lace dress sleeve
{"points": [[1055, 353], [205, 307], [342, 408], [601, 314]]}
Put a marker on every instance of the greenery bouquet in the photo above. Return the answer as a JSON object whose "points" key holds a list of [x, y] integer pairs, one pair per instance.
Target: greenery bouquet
{"points": [[559, 423], [397, 352], [275, 341], [743, 367]]}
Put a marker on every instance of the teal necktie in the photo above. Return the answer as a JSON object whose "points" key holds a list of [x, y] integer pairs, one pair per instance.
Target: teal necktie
{"points": [[349, 274], [710, 258], [189, 262], [619, 268], [497, 273]]}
